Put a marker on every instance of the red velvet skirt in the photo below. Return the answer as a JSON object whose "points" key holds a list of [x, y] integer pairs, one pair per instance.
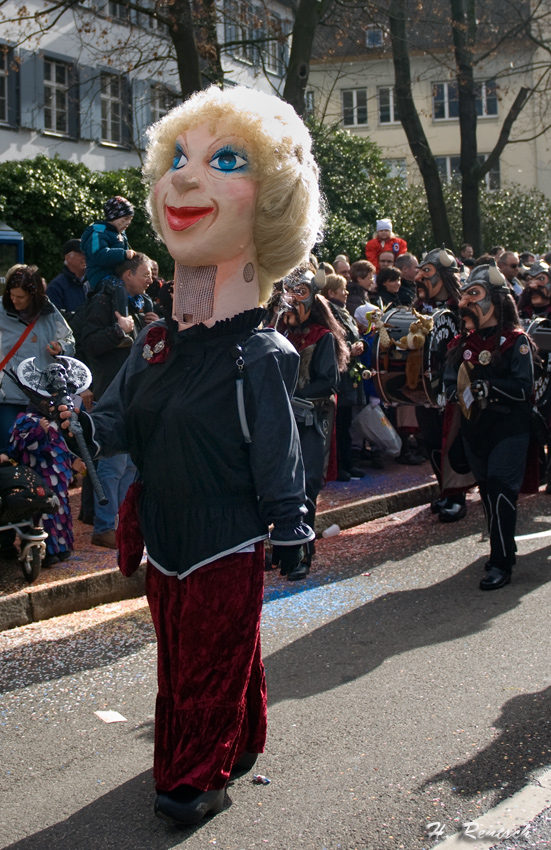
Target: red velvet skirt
{"points": [[211, 705]]}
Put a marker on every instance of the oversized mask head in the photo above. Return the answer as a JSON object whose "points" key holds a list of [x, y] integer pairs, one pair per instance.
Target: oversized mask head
{"points": [[430, 268], [301, 293], [476, 305], [538, 282], [234, 195]]}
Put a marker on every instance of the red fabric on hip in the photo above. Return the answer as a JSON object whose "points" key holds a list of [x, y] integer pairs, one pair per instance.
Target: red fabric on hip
{"points": [[211, 704]]}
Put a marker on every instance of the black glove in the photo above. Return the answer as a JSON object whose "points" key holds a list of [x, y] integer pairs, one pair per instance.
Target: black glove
{"points": [[480, 389], [287, 558]]}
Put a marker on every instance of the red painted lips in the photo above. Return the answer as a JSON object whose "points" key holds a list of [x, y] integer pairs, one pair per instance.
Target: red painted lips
{"points": [[180, 218]]}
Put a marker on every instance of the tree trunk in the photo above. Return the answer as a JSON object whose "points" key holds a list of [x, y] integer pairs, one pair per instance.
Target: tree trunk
{"points": [[413, 128], [464, 28], [182, 33], [307, 18]]}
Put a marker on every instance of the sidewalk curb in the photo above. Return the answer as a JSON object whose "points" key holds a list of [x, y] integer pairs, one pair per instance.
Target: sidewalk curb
{"points": [[78, 594]]}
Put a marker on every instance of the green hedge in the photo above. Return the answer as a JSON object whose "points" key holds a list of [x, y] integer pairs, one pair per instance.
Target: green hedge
{"points": [[52, 200]]}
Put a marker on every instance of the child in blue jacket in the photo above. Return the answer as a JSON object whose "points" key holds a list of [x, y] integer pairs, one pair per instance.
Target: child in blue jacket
{"points": [[105, 246]]}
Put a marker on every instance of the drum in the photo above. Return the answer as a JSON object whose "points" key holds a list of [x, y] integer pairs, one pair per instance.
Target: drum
{"points": [[413, 377], [539, 329]]}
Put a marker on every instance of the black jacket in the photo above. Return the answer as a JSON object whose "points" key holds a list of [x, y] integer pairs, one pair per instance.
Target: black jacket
{"points": [[207, 492], [101, 335]]}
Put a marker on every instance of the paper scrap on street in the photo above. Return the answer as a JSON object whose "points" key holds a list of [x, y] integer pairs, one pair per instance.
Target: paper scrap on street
{"points": [[110, 716]]}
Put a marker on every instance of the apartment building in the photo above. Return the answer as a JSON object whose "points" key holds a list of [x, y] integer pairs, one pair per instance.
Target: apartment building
{"points": [[86, 84], [352, 83]]}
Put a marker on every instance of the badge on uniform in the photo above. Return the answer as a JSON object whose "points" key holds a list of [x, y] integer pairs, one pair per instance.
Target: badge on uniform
{"points": [[524, 348], [467, 354], [484, 357]]}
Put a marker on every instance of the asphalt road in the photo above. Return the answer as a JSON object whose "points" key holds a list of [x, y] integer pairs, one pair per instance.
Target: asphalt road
{"points": [[398, 698]]}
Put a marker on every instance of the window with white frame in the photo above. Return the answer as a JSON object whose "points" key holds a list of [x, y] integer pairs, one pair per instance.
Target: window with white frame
{"points": [[309, 102], [4, 88], [162, 101], [273, 50], [374, 37], [445, 101], [56, 96], [388, 108], [118, 11], [486, 99], [448, 167], [238, 27], [354, 107], [112, 111], [397, 168]]}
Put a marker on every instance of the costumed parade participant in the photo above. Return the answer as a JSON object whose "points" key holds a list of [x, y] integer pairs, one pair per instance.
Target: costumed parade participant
{"points": [[319, 340], [384, 241], [536, 296], [438, 288], [203, 406], [490, 373]]}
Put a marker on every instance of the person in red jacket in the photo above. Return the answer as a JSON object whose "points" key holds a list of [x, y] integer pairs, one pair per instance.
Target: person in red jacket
{"points": [[384, 240]]}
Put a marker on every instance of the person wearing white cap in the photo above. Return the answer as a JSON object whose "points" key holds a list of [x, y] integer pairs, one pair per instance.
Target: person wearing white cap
{"points": [[384, 240]]}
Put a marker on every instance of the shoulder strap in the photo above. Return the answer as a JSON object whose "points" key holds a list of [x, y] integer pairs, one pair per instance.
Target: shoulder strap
{"points": [[18, 344]]}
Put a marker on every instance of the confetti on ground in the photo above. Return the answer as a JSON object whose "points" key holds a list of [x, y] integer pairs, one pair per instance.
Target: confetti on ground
{"points": [[260, 779]]}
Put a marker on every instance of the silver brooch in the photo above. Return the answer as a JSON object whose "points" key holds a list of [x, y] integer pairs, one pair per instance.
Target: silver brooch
{"points": [[148, 352], [484, 357]]}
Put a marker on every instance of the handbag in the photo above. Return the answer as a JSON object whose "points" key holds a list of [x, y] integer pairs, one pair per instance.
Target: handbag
{"points": [[23, 494], [372, 424], [128, 534]]}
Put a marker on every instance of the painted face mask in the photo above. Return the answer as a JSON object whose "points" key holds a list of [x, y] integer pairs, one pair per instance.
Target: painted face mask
{"points": [[476, 308]]}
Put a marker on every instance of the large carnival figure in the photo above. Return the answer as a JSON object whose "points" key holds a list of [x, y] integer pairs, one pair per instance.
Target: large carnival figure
{"points": [[438, 287], [203, 406], [490, 373], [312, 329]]}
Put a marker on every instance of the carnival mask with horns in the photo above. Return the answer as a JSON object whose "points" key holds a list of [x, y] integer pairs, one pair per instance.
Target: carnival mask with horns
{"points": [[476, 300], [439, 258], [303, 291], [538, 278]]}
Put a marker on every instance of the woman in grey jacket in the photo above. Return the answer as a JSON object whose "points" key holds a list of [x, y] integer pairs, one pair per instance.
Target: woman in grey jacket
{"points": [[30, 326]]}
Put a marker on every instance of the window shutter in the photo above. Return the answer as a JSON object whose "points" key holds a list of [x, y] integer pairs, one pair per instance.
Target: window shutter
{"points": [[127, 119], [74, 103], [142, 111], [13, 91], [90, 103], [31, 82]]}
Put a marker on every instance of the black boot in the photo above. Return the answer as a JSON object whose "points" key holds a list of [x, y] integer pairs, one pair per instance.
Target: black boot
{"points": [[501, 507], [186, 805]]}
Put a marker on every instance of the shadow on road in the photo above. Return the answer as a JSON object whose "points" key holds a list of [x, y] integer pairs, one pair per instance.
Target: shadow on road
{"points": [[523, 746], [356, 643], [122, 818]]}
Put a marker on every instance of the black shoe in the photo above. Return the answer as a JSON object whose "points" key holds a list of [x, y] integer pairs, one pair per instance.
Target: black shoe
{"points": [[244, 763], [439, 504], [9, 553], [343, 475], [187, 805], [495, 578], [357, 473], [299, 572], [452, 513], [50, 560], [64, 556], [409, 458]]}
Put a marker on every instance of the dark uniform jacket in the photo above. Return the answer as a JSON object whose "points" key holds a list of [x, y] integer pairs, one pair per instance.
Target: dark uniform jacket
{"points": [[206, 491]]}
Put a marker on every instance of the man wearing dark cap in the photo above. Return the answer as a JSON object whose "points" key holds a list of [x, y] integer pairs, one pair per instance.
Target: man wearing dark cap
{"points": [[67, 291]]}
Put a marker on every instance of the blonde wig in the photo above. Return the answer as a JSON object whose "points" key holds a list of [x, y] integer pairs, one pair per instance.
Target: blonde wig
{"points": [[288, 207]]}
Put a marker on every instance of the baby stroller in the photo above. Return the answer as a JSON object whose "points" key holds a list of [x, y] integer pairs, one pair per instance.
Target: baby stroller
{"points": [[23, 499]]}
